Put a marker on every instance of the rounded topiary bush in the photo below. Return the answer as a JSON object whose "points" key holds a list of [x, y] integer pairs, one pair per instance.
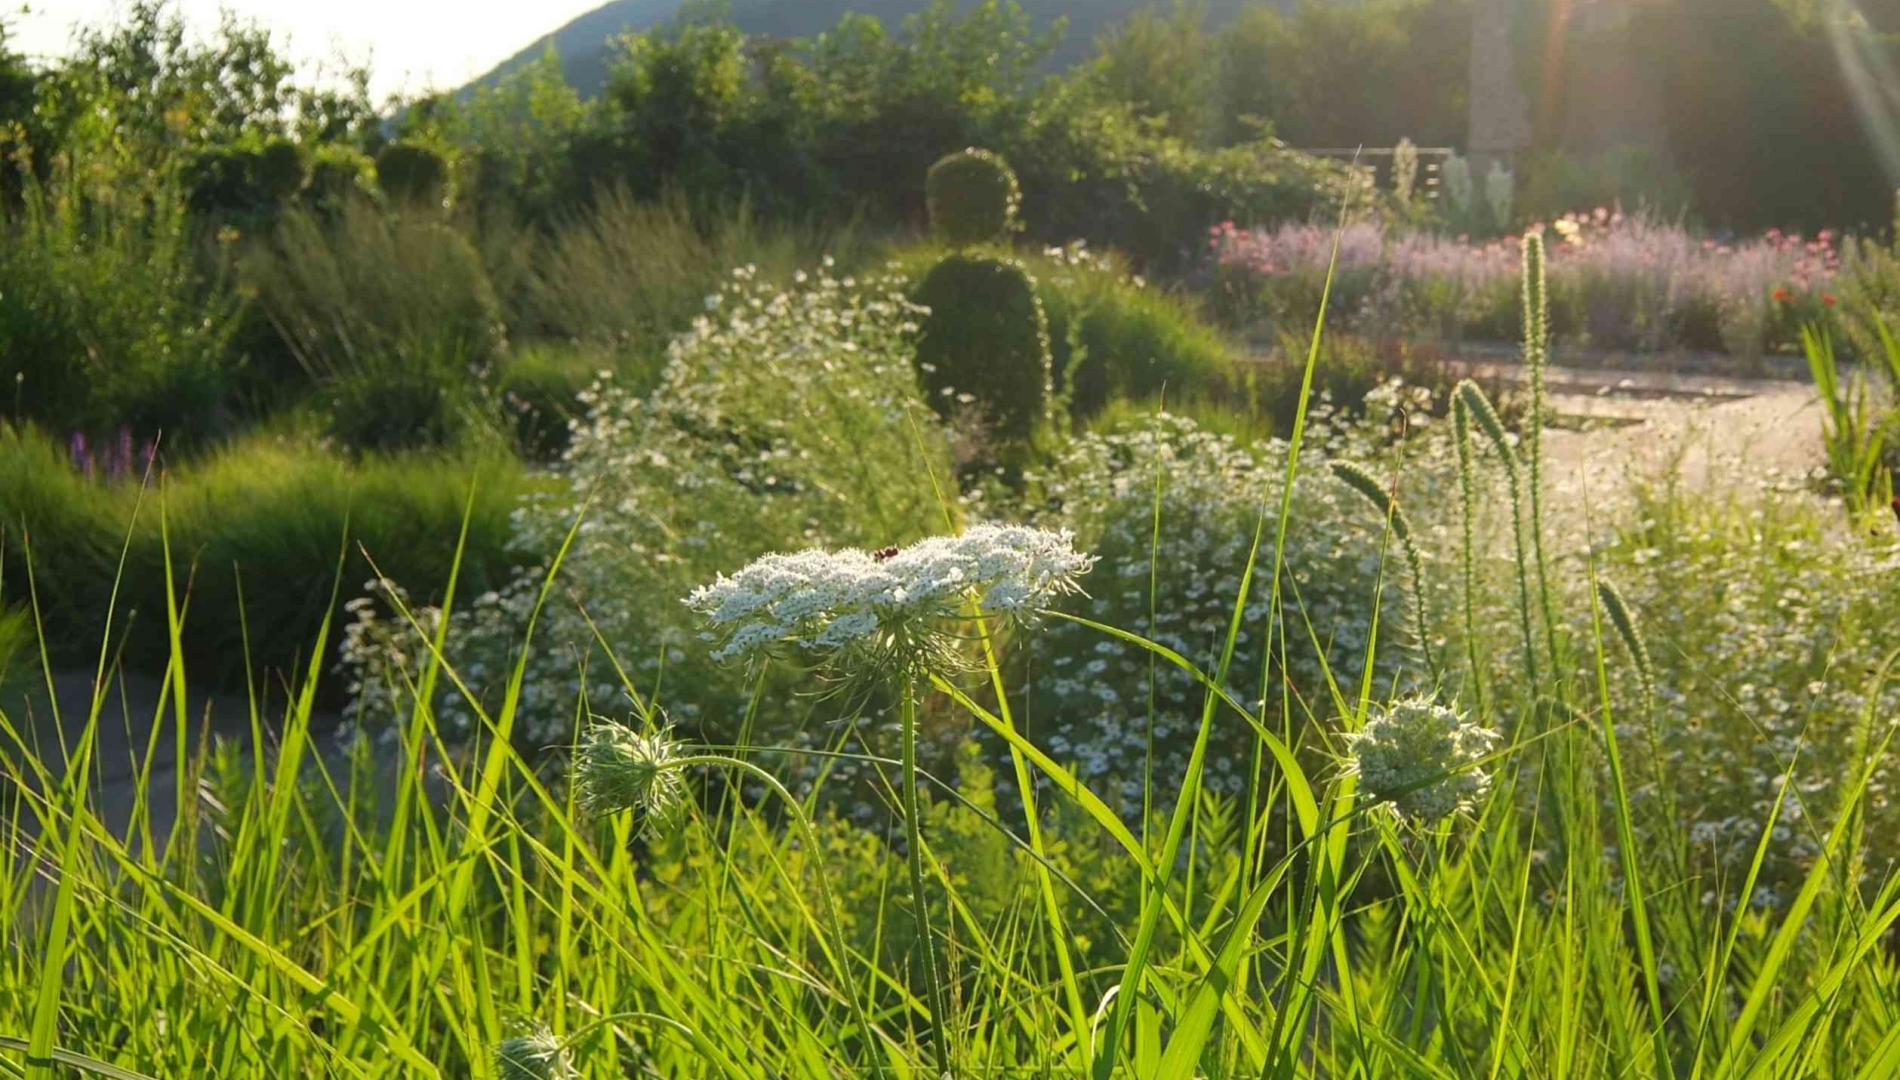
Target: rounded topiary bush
{"points": [[412, 172], [985, 343], [244, 178], [973, 198], [338, 173]]}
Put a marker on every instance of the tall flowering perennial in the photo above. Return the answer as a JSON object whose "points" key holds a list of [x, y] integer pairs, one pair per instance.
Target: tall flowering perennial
{"points": [[895, 614], [1422, 757], [895, 611], [704, 471]]}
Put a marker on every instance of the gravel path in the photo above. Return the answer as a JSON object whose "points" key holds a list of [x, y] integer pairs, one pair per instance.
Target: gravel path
{"points": [[1717, 433]]}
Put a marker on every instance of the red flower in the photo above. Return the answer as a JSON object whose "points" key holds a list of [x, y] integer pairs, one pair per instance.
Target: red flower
{"points": [[1828, 299], [1782, 295]]}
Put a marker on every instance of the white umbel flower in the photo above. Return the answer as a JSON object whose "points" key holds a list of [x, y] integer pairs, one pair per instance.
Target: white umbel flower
{"points": [[894, 605], [1423, 758]]}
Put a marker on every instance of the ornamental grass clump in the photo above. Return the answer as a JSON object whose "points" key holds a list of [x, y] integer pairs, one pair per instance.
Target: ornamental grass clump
{"points": [[1424, 758]]}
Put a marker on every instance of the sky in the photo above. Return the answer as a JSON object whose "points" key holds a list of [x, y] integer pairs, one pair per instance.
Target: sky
{"points": [[411, 45]]}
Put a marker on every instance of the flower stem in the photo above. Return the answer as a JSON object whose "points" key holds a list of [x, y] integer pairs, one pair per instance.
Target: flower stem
{"points": [[914, 840]]}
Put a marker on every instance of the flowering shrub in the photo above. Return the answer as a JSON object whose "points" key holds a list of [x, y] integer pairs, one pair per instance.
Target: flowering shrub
{"points": [[1102, 703], [1616, 281], [782, 417]]}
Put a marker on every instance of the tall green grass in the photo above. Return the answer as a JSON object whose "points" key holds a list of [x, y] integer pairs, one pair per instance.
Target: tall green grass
{"points": [[404, 909]]}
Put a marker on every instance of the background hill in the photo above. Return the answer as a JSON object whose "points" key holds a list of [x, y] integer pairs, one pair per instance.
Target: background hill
{"points": [[582, 43]]}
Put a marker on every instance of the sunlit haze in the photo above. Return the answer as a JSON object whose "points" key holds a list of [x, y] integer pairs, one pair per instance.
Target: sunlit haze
{"points": [[410, 45]]}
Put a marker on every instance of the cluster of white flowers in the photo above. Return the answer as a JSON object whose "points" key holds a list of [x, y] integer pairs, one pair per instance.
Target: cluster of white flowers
{"points": [[1424, 758], [1767, 618], [898, 605], [383, 653], [1103, 705]]}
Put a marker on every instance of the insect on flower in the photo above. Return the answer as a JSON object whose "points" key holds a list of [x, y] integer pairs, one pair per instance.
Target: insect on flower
{"points": [[885, 554]]}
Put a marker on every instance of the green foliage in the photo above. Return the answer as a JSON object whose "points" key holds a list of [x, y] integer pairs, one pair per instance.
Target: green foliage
{"points": [[413, 173], [1282, 70], [540, 389], [704, 468], [629, 274], [1557, 183], [985, 343], [1112, 334], [973, 198], [262, 529], [1157, 65], [18, 643], [415, 400]]}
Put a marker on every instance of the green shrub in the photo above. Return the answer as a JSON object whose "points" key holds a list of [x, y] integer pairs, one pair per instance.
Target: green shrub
{"points": [[1112, 334], [986, 337], [245, 178], [791, 413], [410, 172], [277, 520], [540, 389], [973, 198], [413, 400]]}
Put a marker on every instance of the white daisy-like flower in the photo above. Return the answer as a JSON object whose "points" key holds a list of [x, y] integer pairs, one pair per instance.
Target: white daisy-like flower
{"points": [[1423, 758], [896, 605]]}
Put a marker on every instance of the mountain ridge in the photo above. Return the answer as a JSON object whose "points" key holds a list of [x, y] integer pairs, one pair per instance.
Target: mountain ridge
{"points": [[582, 43]]}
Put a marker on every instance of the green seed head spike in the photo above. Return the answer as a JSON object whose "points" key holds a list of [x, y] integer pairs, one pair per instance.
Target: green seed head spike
{"points": [[1625, 623], [1480, 411], [1536, 301], [1357, 478]]}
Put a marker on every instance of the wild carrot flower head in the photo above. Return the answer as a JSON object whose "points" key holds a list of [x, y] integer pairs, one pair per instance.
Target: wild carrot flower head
{"points": [[617, 769], [1422, 757], [536, 1055], [864, 610]]}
